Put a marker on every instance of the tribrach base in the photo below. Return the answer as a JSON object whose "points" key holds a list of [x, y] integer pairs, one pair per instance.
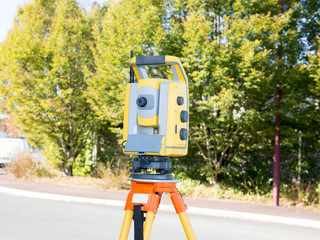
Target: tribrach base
{"points": [[145, 197]]}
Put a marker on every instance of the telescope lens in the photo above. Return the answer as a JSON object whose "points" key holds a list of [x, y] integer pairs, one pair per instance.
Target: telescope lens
{"points": [[141, 101]]}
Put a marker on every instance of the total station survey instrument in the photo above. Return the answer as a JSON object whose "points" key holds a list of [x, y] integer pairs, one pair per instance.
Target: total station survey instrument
{"points": [[156, 123]]}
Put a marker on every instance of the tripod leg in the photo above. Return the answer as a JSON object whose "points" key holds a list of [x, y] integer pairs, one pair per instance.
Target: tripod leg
{"points": [[181, 210], [126, 225], [187, 226], [138, 217], [148, 225]]}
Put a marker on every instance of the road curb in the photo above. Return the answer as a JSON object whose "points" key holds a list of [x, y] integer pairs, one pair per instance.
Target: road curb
{"points": [[58, 197], [168, 208]]}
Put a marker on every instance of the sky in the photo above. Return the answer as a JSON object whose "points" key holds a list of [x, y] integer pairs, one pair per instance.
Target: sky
{"points": [[8, 11]]}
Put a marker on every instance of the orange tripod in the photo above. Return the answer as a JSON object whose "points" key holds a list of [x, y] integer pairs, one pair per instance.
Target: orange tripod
{"points": [[145, 197]]}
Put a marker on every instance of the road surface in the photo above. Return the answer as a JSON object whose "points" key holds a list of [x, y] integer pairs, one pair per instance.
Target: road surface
{"points": [[36, 219]]}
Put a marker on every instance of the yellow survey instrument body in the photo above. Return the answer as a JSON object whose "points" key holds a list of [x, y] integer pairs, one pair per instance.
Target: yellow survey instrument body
{"points": [[156, 116]]}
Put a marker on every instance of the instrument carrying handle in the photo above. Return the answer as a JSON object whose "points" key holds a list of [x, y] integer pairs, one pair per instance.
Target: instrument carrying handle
{"points": [[138, 63], [151, 60]]}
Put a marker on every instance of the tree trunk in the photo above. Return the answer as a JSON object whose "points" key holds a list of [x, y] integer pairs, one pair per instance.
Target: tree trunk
{"points": [[94, 150], [214, 178], [68, 170]]}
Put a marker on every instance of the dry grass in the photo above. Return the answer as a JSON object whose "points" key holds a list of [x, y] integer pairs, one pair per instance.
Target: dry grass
{"points": [[24, 166], [109, 177], [106, 183], [114, 178]]}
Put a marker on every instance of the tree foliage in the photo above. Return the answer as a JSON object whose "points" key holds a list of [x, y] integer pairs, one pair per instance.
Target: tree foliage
{"points": [[43, 63], [64, 70]]}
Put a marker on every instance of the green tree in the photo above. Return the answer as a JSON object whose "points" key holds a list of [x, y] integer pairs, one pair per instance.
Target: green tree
{"points": [[230, 83], [42, 73], [231, 53], [125, 26], [63, 73], [118, 28]]}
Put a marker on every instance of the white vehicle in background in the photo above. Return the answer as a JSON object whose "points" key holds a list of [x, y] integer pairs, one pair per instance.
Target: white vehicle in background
{"points": [[9, 147]]}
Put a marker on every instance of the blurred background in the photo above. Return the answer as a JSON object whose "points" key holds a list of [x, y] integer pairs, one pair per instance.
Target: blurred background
{"points": [[64, 65]]}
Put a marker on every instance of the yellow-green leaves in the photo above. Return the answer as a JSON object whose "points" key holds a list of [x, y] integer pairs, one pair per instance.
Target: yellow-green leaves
{"points": [[46, 53]]}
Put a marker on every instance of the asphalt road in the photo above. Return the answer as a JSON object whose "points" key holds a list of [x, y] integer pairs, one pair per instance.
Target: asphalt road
{"points": [[26, 218]]}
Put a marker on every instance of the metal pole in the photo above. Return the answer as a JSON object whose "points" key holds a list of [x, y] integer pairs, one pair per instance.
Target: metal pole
{"points": [[277, 141], [299, 159], [276, 156]]}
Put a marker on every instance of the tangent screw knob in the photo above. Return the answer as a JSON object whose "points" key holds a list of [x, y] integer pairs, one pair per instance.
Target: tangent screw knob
{"points": [[183, 134], [184, 116], [180, 101]]}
